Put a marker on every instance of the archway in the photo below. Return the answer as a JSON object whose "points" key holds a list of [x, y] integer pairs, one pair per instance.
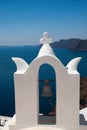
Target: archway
{"points": [[47, 95]]}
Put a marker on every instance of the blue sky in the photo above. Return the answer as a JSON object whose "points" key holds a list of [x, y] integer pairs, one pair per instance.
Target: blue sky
{"points": [[22, 22]]}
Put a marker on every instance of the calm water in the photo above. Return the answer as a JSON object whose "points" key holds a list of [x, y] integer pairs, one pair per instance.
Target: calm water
{"points": [[7, 68]]}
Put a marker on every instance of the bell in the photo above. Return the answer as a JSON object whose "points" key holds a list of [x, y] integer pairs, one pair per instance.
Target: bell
{"points": [[46, 89]]}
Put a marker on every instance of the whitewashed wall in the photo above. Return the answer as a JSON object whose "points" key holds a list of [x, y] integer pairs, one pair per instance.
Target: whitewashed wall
{"points": [[27, 100]]}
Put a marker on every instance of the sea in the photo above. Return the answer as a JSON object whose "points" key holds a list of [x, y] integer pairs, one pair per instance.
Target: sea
{"points": [[46, 72]]}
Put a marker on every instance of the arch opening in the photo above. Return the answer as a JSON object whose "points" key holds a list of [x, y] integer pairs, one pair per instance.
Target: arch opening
{"points": [[47, 95]]}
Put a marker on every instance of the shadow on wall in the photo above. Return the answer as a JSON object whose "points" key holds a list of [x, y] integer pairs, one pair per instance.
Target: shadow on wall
{"points": [[82, 120]]}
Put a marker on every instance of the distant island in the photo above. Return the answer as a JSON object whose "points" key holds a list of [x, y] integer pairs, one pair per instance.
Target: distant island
{"points": [[71, 44]]}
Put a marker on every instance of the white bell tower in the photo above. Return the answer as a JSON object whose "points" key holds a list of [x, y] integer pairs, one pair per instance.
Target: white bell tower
{"points": [[26, 91]]}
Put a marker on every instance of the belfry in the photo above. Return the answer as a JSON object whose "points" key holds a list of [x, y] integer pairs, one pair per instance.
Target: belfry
{"points": [[26, 91]]}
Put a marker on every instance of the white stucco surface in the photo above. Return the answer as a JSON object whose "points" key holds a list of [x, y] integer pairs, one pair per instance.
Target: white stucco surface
{"points": [[72, 65], [46, 50], [43, 128], [54, 128], [20, 64]]}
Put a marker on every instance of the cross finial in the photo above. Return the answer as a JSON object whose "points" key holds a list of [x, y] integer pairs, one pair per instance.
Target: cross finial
{"points": [[46, 39]]}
